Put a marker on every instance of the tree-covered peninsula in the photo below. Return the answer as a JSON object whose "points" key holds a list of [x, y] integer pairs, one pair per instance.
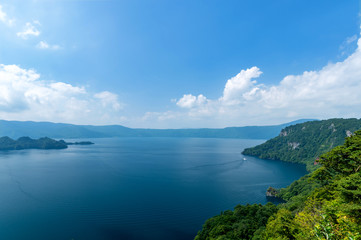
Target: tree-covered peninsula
{"points": [[325, 204], [305, 142], [7, 143]]}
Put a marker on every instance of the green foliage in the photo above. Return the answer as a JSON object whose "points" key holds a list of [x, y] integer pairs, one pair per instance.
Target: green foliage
{"points": [[7, 143], [332, 210], [242, 223], [325, 204], [281, 226], [297, 193], [345, 159], [349, 195], [302, 186], [305, 142]]}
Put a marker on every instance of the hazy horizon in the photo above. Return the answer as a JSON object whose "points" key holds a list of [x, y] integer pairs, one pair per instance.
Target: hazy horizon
{"points": [[161, 128]]}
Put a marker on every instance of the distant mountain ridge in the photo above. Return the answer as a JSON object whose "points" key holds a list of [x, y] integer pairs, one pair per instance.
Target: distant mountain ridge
{"points": [[305, 142], [16, 129]]}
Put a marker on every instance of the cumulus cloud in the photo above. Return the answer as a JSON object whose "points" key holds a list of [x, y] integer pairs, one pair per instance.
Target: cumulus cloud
{"points": [[190, 101], [333, 91], [239, 85], [29, 30], [45, 45], [24, 96]]}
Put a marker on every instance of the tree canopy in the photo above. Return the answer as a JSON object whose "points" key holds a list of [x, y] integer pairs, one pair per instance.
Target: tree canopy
{"points": [[325, 204]]}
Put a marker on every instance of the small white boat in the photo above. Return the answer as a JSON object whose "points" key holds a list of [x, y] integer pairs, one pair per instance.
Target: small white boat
{"points": [[244, 159]]}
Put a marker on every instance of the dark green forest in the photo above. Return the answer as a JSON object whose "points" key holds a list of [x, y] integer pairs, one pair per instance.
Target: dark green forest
{"points": [[325, 204], [305, 142], [7, 143]]}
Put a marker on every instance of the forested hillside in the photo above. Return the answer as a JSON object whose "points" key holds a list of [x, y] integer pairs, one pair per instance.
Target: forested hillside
{"points": [[325, 204], [7, 143], [305, 142]]}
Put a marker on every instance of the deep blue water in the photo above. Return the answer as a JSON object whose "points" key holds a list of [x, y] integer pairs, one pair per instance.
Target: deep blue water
{"points": [[131, 188]]}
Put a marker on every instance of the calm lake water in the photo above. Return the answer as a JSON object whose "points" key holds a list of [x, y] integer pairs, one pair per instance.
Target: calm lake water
{"points": [[131, 188]]}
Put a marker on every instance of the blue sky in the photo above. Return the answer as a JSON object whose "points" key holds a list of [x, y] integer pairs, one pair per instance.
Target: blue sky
{"points": [[176, 64]]}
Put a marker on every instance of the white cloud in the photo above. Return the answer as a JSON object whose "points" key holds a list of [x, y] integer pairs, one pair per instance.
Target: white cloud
{"points": [[37, 22], [24, 96], [350, 40], [4, 18], [109, 99], [29, 30], [333, 91], [66, 88], [190, 101], [42, 45], [45, 45], [347, 46], [159, 116], [2, 14], [238, 85]]}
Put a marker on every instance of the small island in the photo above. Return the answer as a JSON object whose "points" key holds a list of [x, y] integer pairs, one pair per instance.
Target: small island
{"points": [[271, 192], [272, 195], [77, 143], [7, 143]]}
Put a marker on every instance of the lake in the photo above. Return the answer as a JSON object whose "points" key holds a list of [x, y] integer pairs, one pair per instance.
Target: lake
{"points": [[131, 188]]}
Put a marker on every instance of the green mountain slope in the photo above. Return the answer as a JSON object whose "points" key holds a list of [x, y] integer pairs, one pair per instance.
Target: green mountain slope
{"points": [[305, 142], [16, 129], [325, 204]]}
